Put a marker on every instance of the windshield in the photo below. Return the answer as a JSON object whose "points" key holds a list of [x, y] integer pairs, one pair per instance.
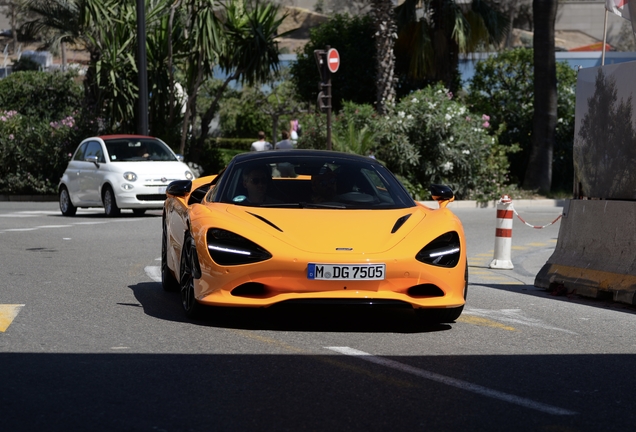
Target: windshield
{"points": [[138, 149], [321, 182]]}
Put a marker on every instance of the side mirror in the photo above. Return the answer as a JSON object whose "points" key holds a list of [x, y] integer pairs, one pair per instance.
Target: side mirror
{"points": [[179, 188], [180, 157], [93, 159], [442, 194]]}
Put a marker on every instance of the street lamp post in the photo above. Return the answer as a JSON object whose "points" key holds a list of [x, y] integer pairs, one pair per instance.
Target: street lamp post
{"points": [[142, 108]]}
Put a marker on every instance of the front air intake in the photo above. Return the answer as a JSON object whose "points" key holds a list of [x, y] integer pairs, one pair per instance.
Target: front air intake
{"points": [[425, 290], [250, 289]]}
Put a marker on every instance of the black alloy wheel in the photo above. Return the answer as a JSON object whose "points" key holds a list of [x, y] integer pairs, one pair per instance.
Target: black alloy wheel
{"points": [[186, 277]]}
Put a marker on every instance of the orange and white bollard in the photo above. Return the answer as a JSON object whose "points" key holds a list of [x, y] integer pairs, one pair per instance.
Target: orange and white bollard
{"points": [[503, 235]]}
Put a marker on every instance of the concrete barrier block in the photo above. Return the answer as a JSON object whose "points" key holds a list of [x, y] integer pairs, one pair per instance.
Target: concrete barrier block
{"points": [[595, 251]]}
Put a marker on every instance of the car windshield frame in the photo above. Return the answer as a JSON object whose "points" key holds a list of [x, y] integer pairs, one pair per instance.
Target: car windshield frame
{"points": [[310, 179], [136, 149]]}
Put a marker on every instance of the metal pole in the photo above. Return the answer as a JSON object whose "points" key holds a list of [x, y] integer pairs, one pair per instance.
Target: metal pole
{"points": [[142, 109], [604, 38], [328, 75]]}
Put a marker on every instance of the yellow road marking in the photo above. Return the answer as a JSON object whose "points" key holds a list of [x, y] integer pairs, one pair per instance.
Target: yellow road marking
{"points": [[519, 247], [485, 322], [538, 244], [8, 312], [326, 359]]}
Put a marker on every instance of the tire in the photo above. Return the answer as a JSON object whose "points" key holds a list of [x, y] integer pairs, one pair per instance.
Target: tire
{"points": [[168, 281], [139, 212], [110, 203], [187, 265], [438, 316], [66, 206]]}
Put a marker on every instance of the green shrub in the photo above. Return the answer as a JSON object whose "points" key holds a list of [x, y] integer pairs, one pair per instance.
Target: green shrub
{"points": [[25, 64], [33, 154], [503, 86], [429, 137], [41, 95], [355, 79]]}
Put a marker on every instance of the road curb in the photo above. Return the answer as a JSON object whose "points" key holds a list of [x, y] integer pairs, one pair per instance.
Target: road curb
{"points": [[32, 198], [493, 204], [432, 204]]}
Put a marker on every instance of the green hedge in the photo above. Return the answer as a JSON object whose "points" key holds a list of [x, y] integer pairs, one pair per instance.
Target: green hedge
{"points": [[231, 143]]}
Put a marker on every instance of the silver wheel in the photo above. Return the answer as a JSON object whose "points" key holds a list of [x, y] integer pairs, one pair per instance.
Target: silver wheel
{"points": [[110, 205], [66, 206]]}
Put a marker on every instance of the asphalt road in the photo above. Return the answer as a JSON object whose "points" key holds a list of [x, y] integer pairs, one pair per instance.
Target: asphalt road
{"points": [[90, 341]]}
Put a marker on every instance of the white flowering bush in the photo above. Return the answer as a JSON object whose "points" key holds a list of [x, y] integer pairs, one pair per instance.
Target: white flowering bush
{"points": [[430, 137]]}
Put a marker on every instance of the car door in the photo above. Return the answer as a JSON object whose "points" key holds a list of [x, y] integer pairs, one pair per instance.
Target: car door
{"points": [[92, 174], [73, 174]]}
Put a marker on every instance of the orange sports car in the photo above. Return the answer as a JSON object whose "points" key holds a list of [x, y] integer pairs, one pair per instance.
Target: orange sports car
{"points": [[310, 226]]}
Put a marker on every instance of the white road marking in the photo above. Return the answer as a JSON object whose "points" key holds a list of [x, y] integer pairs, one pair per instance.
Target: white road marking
{"points": [[463, 385], [153, 272], [70, 225], [513, 316]]}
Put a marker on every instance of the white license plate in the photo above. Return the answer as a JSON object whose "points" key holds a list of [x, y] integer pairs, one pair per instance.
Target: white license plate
{"points": [[162, 189], [346, 271]]}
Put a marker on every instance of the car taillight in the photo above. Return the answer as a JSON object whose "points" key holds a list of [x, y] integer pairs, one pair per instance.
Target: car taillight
{"points": [[227, 248], [444, 251]]}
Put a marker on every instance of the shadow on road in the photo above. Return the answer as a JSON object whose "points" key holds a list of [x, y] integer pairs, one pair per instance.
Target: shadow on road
{"points": [[561, 295]]}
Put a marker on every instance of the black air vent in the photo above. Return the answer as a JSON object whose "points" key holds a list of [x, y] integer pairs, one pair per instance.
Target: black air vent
{"points": [[399, 223], [261, 218]]}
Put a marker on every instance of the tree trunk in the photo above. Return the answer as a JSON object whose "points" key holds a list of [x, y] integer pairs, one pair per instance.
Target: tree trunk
{"points": [[539, 171], [385, 36]]}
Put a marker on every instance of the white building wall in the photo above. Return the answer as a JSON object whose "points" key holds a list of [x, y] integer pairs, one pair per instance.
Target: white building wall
{"points": [[588, 17]]}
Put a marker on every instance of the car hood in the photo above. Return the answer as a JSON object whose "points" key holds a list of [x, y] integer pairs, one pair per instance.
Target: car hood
{"points": [[173, 170], [329, 231]]}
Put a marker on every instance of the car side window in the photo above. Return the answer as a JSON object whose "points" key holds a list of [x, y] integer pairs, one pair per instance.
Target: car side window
{"points": [[95, 149], [79, 154]]}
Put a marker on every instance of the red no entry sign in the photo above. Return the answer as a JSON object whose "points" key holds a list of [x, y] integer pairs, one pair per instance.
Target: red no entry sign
{"points": [[333, 60]]}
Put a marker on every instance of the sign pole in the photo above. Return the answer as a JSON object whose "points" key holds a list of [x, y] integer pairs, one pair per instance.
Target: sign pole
{"points": [[328, 62], [328, 85]]}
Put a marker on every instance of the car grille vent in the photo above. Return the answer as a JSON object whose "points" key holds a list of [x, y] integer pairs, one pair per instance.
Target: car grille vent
{"points": [[425, 290], [151, 197], [399, 223]]}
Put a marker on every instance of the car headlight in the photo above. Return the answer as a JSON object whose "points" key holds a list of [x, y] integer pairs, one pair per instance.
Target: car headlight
{"points": [[130, 176], [227, 248], [189, 175], [444, 251]]}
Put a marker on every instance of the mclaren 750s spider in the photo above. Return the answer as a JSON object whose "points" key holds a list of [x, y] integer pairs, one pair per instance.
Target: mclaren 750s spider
{"points": [[311, 226]]}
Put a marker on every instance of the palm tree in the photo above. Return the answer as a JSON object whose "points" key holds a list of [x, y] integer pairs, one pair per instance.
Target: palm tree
{"points": [[80, 22], [247, 52], [539, 171], [385, 36], [431, 37], [356, 141]]}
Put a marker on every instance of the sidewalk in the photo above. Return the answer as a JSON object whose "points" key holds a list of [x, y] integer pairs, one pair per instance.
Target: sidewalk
{"points": [[493, 204]]}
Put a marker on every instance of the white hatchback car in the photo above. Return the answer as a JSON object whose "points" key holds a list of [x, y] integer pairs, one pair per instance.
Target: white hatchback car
{"points": [[120, 172]]}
